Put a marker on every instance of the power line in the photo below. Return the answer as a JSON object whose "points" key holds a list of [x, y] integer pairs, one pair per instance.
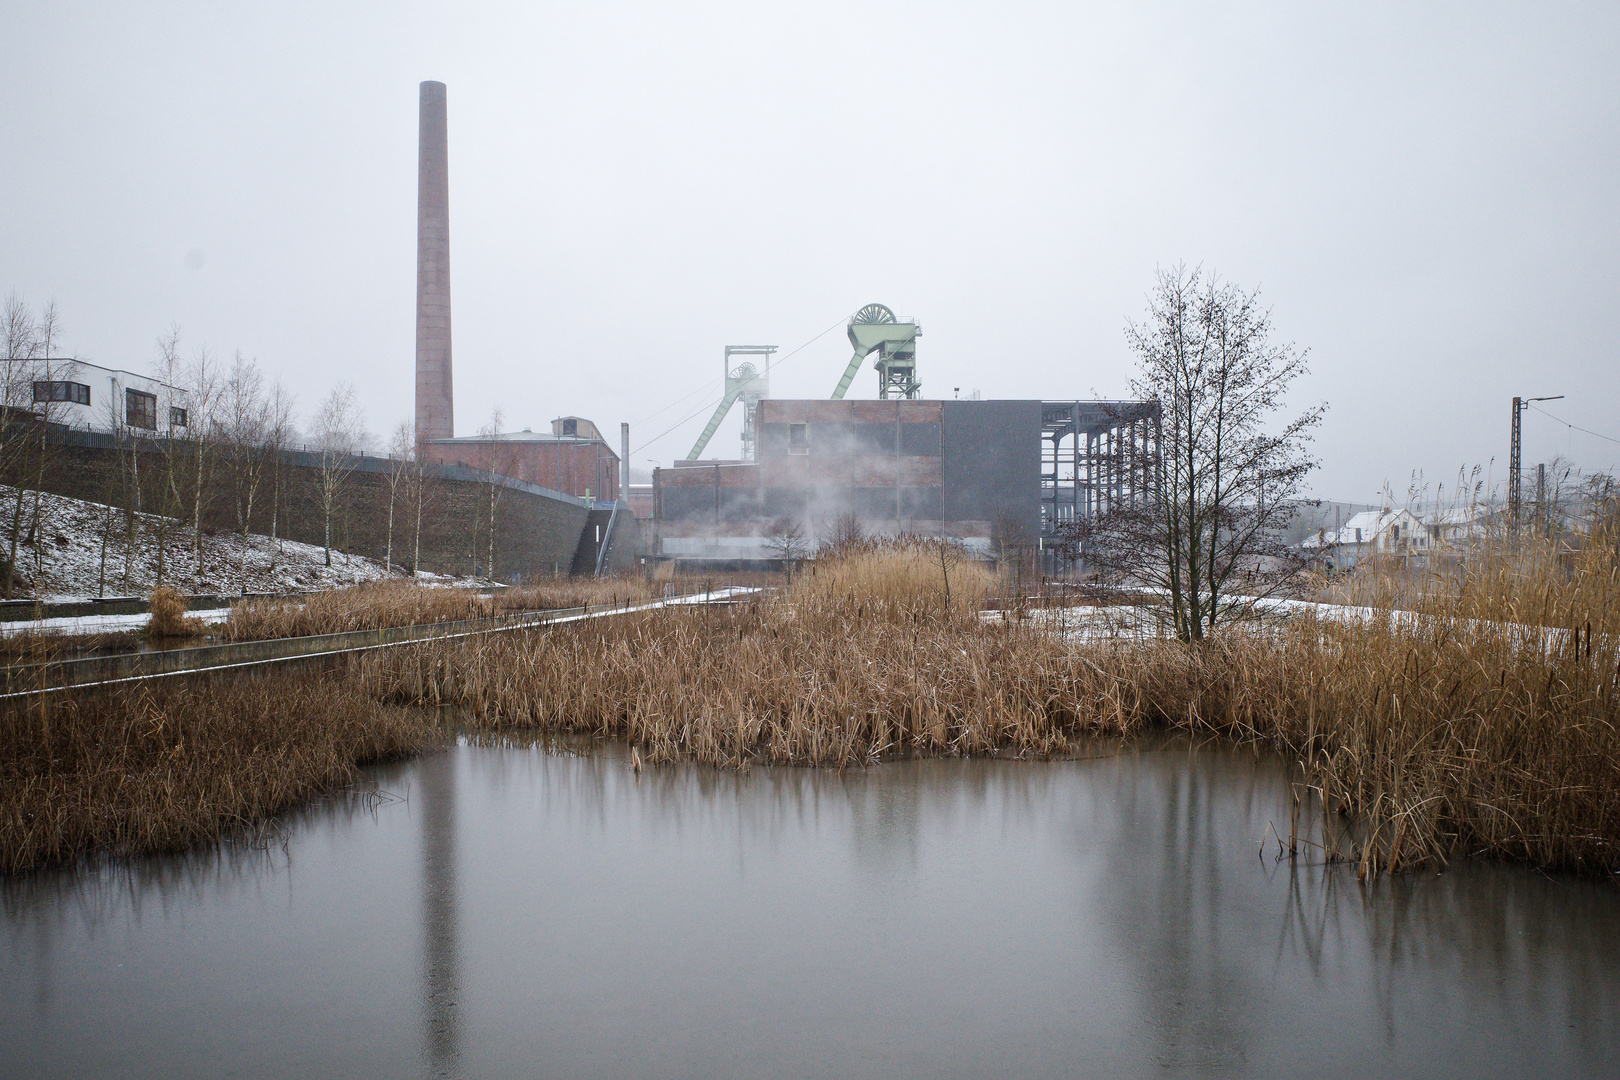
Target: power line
{"points": [[1577, 427], [711, 404]]}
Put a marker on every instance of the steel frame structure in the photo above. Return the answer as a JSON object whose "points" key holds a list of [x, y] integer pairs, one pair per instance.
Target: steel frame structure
{"points": [[748, 384], [1094, 455]]}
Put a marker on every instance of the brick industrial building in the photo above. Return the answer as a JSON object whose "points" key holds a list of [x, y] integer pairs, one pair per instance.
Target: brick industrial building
{"points": [[572, 458]]}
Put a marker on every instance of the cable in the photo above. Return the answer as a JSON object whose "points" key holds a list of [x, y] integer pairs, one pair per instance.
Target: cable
{"points": [[697, 412], [711, 404], [1577, 427], [680, 400]]}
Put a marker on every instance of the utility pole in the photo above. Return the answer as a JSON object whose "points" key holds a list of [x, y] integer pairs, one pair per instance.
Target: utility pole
{"points": [[1514, 509], [1513, 471]]}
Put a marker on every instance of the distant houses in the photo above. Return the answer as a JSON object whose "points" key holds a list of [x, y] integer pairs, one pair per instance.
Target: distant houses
{"points": [[1397, 534]]}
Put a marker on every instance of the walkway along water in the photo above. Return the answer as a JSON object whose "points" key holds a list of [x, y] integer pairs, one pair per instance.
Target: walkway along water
{"points": [[18, 680]]}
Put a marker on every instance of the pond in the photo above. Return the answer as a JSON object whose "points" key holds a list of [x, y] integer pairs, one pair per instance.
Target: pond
{"points": [[516, 910]]}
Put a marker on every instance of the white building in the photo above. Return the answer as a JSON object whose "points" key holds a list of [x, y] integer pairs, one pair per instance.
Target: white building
{"points": [[1389, 533], [1460, 527], [88, 396]]}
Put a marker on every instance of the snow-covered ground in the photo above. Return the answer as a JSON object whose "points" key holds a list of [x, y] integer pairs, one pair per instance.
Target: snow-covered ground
{"points": [[99, 624], [78, 550], [112, 624]]}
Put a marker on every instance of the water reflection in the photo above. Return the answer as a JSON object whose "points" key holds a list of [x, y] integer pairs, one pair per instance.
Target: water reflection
{"points": [[435, 796], [547, 910]]}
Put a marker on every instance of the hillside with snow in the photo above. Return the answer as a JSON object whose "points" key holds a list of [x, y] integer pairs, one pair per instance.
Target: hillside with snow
{"points": [[71, 549]]}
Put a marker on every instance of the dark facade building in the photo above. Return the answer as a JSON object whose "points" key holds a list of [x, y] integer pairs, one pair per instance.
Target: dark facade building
{"points": [[960, 469]]}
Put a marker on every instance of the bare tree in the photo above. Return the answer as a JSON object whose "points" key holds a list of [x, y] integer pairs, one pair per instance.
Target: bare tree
{"points": [[1009, 539], [168, 371], [951, 554], [401, 460], [33, 395], [845, 534], [338, 430], [245, 425], [498, 464], [122, 488], [21, 334], [418, 496], [281, 436], [1217, 489], [54, 373], [201, 392], [785, 541]]}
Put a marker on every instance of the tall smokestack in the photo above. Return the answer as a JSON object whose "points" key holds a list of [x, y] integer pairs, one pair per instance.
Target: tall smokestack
{"points": [[434, 416]]}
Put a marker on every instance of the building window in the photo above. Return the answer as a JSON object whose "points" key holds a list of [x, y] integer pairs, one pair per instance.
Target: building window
{"points": [[571, 428], [177, 417], [798, 438], [1358, 536], [58, 390], [1395, 533], [140, 409]]}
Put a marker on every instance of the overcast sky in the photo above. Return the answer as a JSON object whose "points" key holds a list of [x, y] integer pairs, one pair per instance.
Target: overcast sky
{"points": [[1427, 194]]}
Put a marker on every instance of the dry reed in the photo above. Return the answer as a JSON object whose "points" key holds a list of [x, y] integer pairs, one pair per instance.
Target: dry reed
{"points": [[38, 646], [400, 603], [1431, 735], [169, 607], [162, 766]]}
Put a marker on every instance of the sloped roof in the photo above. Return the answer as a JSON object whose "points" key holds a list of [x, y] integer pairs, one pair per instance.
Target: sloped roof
{"points": [[1370, 522]]}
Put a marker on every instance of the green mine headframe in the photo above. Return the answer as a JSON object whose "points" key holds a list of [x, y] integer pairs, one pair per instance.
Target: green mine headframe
{"points": [[745, 382], [875, 329]]}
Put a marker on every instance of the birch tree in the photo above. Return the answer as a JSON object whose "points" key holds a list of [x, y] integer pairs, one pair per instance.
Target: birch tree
{"points": [[338, 429], [245, 424], [168, 370], [498, 464], [401, 459], [202, 387], [21, 333]]}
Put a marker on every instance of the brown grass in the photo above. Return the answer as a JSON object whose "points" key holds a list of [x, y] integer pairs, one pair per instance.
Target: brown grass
{"points": [[402, 603], [162, 766], [169, 620], [32, 646]]}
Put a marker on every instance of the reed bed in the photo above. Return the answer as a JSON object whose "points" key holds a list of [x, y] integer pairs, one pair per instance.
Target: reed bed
{"points": [[40, 646], [377, 605], [1416, 738], [162, 766], [168, 615], [869, 655]]}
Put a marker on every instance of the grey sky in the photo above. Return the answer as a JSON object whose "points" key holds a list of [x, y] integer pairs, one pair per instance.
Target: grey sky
{"points": [[1429, 195]]}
